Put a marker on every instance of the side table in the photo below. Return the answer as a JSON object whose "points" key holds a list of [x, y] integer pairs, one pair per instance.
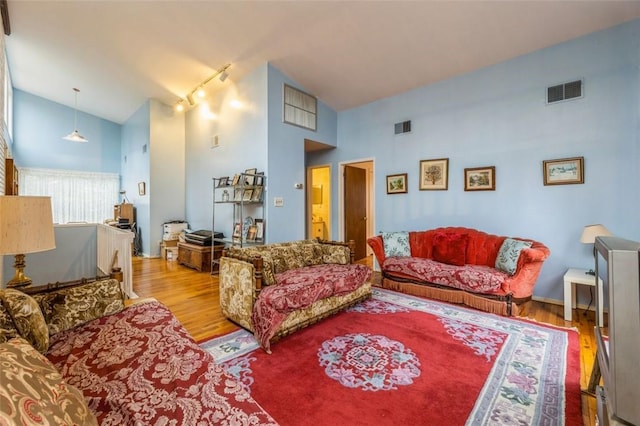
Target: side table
{"points": [[579, 276]]}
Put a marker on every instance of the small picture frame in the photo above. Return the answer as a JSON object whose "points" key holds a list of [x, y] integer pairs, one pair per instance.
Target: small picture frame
{"points": [[142, 188], [480, 179], [563, 171], [252, 233], [259, 224], [237, 231], [257, 194], [397, 184], [434, 174], [246, 196], [236, 179], [237, 194], [223, 181], [259, 179], [251, 176]]}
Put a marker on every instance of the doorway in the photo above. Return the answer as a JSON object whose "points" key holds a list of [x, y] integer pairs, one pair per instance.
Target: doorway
{"points": [[319, 202], [357, 220]]}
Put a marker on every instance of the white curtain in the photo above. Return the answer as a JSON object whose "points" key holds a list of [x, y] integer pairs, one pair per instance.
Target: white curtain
{"points": [[75, 196]]}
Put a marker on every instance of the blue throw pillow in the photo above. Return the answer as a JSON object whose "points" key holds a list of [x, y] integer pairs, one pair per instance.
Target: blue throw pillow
{"points": [[509, 253], [396, 244]]}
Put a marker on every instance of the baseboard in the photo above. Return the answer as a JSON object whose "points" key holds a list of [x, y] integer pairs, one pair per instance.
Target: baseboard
{"points": [[581, 306]]}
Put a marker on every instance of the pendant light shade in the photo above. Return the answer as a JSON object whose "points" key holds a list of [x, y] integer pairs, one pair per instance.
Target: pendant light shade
{"points": [[75, 136]]}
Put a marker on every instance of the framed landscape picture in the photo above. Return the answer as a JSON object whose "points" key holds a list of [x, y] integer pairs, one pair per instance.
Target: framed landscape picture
{"points": [[563, 171], [480, 179], [397, 184], [434, 174], [259, 223]]}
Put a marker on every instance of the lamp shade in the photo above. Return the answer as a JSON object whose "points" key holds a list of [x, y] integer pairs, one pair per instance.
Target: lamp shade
{"points": [[590, 232], [26, 225]]}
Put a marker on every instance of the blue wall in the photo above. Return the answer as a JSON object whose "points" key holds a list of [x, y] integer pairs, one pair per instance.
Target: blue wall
{"points": [[498, 117], [39, 126]]}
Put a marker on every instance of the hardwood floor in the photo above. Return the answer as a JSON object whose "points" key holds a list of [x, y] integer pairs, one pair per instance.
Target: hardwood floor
{"points": [[193, 298]]}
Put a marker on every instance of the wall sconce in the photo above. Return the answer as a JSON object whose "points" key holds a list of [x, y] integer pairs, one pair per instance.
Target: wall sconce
{"points": [[199, 89]]}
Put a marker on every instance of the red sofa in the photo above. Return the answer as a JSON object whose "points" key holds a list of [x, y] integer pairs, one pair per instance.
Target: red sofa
{"points": [[472, 280]]}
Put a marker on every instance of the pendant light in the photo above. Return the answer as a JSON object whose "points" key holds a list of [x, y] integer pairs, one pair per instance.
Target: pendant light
{"points": [[75, 136]]}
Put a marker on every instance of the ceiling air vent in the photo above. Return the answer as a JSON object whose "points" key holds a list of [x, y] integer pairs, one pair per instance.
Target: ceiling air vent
{"points": [[404, 127], [564, 92]]}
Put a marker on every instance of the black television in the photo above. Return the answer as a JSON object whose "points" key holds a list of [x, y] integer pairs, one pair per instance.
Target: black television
{"points": [[617, 263]]}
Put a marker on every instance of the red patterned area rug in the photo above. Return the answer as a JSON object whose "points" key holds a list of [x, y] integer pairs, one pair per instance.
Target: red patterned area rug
{"points": [[397, 359]]}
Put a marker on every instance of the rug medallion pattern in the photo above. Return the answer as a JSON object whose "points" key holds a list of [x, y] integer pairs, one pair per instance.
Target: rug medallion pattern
{"points": [[527, 361]]}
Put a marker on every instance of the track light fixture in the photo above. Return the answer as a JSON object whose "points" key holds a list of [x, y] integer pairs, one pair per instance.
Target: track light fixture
{"points": [[199, 89]]}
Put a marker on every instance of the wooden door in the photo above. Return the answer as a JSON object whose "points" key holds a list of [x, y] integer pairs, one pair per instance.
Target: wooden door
{"points": [[355, 208]]}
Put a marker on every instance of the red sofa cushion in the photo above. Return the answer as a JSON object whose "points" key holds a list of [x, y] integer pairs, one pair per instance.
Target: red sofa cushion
{"points": [[450, 248]]}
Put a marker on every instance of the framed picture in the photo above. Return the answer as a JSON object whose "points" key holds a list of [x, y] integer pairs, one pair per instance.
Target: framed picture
{"points": [[480, 179], [223, 181], [259, 224], [259, 179], [142, 188], [237, 231], [252, 233], [257, 194], [563, 171], [434, 174], [397, 184], [236, 180], [237, 194], [246, 196], [251, 178]]}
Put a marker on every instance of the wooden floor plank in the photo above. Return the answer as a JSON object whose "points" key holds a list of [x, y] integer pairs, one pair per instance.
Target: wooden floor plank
{"points": [[193, 298]]}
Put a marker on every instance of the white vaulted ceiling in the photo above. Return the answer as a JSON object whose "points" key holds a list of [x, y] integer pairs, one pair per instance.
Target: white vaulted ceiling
{"points": [[120, 53]]}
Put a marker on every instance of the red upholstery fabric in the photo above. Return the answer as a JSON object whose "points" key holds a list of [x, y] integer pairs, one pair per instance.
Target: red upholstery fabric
{"points": [[475, 278], [482, 249], [141, 367], [450, 248], [299, 288]]}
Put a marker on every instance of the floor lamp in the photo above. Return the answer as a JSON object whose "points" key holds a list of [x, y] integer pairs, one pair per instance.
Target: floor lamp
{"points": [[26, 226]]}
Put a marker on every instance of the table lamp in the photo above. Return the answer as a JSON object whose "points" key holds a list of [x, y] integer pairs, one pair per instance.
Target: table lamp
{"points": [[589, 234], [26, 226]]}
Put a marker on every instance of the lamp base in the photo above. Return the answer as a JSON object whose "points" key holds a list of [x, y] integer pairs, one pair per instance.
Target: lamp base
{"points": [[19, 279]]}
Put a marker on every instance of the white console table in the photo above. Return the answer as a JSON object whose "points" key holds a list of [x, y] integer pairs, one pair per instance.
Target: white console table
{"points": [[579, 276]]}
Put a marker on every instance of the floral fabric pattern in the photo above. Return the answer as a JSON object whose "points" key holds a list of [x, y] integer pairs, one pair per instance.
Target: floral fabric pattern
{"points": [[300, 288], [237, 291], [27, 317], [396, 244], [475, 278], [69, 307], [8, 329], [140, 366], [509, 253], [32, 391]]}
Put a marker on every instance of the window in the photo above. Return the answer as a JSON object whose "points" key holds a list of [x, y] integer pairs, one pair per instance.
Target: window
{"points": [[75, 196], [300, 108]]}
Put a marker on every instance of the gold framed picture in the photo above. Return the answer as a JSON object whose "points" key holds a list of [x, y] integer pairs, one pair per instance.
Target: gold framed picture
{"points": [[480, 179], [434, 174], [563, 171], [397, 184]]}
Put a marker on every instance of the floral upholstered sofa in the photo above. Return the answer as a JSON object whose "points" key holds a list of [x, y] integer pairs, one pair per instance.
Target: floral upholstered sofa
{"points": [[275, 289], [461, 265], [77, 356]]}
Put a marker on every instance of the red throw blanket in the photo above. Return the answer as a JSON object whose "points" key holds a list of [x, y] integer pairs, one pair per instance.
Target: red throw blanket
{"points": [[299, 288], [141, 367]]}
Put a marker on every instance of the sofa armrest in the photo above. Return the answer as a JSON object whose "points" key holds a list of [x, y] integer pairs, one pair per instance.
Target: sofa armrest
{"points": [[377, 245], [529, 266], [239, 287]]}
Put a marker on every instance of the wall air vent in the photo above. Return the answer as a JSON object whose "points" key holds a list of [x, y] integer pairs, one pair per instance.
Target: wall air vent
{"points": [[564, 92], [403, 127]]}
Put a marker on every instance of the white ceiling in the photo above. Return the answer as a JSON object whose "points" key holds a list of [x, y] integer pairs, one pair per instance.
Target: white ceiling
{"points": [[119, 53]]}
